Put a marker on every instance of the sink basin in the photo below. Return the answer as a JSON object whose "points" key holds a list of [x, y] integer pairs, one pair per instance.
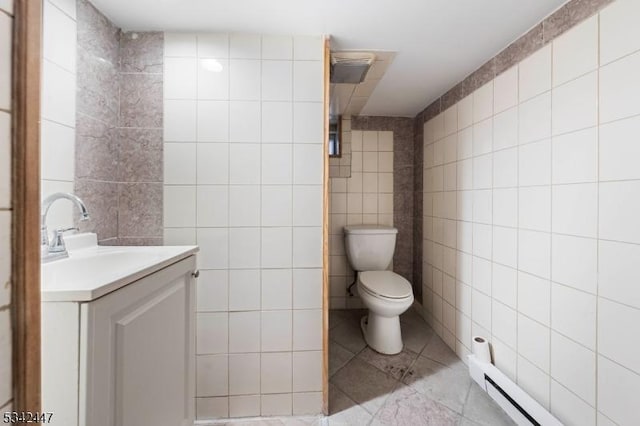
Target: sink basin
{"points": [[91, 271]]}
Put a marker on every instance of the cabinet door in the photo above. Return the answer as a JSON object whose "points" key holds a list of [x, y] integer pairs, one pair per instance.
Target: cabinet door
{"points": [[140, 352]]}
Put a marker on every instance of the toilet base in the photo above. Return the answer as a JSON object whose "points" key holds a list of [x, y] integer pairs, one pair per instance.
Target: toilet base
{"points": [[382, 334]]}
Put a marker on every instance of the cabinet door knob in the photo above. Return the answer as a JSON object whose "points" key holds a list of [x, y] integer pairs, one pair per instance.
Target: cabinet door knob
{"points": [[196, 273]]}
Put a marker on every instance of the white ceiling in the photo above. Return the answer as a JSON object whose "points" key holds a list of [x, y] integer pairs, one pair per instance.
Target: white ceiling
{"points": [[438, 42]]}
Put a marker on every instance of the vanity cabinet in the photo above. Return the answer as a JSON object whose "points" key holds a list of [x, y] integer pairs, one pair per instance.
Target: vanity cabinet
{"points": [[126, 358]]}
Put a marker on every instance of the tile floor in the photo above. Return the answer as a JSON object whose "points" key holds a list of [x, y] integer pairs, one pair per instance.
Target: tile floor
{"points": [[425, 384], [271, 421]]}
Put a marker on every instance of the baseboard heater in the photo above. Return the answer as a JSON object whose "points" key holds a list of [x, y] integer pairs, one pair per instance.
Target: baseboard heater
{"points": [[521, 407]]}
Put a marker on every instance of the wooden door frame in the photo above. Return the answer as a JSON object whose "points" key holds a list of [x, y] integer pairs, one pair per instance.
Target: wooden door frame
{"points": [[25, 187], [325, 230]]}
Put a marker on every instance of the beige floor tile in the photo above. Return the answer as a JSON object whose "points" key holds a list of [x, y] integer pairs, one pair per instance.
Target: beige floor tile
{"points": [[348, 335], [338, 357], [406, 407], [446, 385], [365, 384], [437, 350], [364, 388], [395, 365], [415, 336], [345, 411], [483, 410]]}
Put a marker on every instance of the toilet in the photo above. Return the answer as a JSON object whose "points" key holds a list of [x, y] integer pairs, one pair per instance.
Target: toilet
{"points": [[385, 294]]}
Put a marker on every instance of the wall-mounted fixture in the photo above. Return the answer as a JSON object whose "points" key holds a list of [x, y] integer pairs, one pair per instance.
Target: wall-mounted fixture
{"points": [[350, 67]]}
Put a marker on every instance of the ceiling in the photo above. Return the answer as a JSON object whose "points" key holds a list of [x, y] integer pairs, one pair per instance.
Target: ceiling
{"points": [[437, 42]]}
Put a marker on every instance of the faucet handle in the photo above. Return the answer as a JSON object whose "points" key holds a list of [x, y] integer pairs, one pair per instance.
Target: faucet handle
{"points": [[57, 243], [44, 236]]}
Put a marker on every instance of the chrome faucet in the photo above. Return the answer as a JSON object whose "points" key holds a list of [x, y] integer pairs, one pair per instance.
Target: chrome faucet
{"points": [[55, 249]]}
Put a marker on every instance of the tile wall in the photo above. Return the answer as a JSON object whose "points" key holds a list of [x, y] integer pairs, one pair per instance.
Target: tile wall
{"points": [[118, 146], [97, 114], [365, 197], [139, 134], [243, 162], [400, 191], [6, 36], [554, 25], [403, 181], [531, 231], [58, 107]]}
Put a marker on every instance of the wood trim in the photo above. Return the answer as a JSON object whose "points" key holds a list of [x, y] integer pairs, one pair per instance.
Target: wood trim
{"points": [[325, 234], [26, 205]]}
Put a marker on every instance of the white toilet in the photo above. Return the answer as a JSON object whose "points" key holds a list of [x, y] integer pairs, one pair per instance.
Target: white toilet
{"points": [[386, 294]]}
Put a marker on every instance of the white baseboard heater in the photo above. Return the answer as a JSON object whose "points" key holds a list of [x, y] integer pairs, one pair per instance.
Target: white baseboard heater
{"points": [[521, 407]]}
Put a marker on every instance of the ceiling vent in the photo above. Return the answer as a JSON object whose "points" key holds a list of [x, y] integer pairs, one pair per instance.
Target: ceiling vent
{"points": [[350, 67]]}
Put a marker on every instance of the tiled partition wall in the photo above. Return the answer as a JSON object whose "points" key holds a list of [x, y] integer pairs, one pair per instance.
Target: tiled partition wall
{"points": [[58, 126], [365, 197], [6, 36], [243, 162], [532, 220]]}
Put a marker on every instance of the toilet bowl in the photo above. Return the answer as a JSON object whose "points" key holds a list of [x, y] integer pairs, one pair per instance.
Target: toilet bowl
{"points": [[384, 293]]}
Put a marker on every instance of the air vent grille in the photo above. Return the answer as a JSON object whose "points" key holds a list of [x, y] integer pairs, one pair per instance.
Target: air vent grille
{"points": [[350, 67]]}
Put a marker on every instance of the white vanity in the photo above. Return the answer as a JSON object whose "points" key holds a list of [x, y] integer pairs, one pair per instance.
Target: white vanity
{"points": [[118, 335]]}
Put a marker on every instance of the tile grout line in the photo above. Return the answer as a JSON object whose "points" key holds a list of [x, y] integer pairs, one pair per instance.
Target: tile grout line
{"points": [[517, 219], [551, 222], [491, 296], [228, 185], [260, 241], [292, 169], [62, 67], [473, 189], [598, 176], [116, 69]]}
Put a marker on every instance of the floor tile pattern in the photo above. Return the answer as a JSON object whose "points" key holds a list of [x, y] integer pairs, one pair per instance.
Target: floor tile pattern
{"points": [[425, 384]]}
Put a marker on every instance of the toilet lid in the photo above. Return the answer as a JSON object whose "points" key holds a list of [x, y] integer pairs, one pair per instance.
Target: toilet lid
{"points": [[386, 284]]}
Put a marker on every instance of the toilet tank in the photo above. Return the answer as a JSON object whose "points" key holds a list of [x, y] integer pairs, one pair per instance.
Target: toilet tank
{"points": [[370, 247]]}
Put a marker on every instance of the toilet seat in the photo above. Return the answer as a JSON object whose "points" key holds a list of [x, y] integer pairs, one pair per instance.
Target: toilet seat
{"points": [[385, 284]]}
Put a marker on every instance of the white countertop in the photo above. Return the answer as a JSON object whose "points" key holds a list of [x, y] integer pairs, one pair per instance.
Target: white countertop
{"points": [[91, 271]]}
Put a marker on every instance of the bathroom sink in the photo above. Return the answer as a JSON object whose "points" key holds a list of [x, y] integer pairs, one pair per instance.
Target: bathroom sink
{"points": [[91, 271]]}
